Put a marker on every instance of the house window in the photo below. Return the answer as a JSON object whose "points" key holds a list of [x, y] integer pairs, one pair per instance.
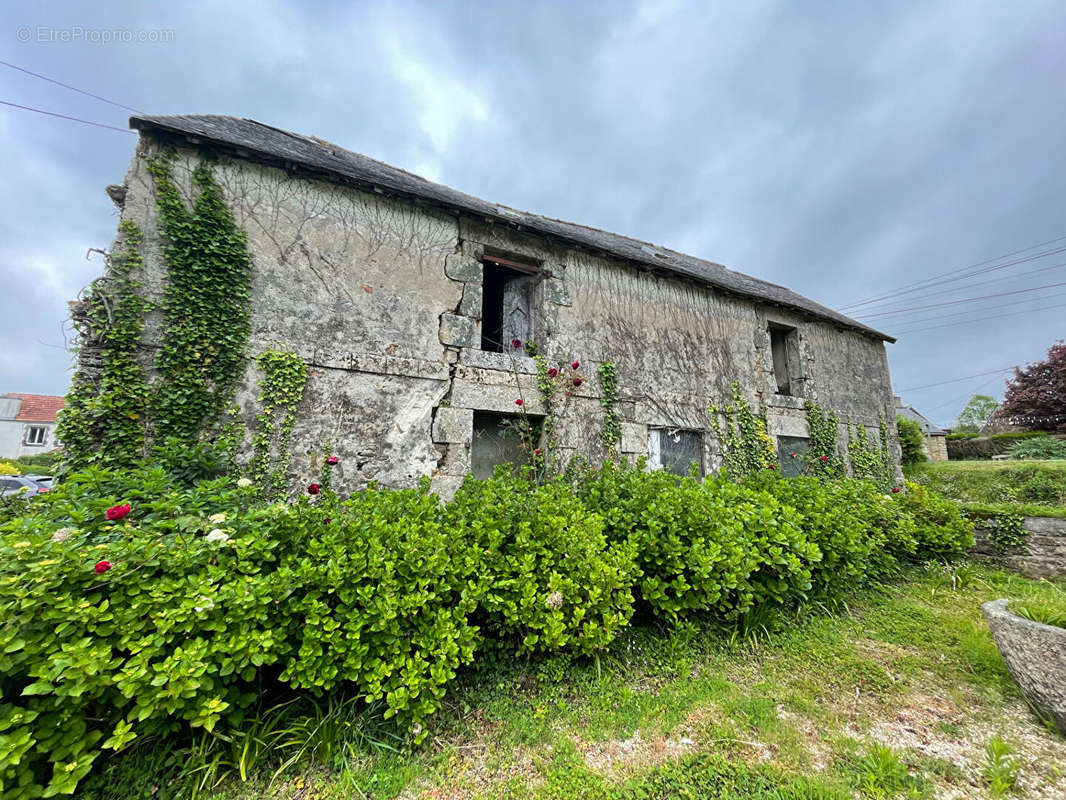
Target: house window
{"points": [[497, 441], [784, 346], [675, 450], [507, 303], [36, 434], [786, 446]]}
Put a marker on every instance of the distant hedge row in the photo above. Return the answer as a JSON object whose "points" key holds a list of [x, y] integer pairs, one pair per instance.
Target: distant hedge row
{"points": [[971, 446], [133, 607]]}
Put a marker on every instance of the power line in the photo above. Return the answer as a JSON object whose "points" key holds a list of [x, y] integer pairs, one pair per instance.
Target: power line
{"points": [[936, 279], [994, 316], [963, 300], [64, 116], [68, 86], [924, 316], [956, 380]]}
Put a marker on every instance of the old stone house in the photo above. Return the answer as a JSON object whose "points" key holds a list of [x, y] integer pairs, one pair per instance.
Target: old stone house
{"points": [[403, 297], [934, 438], [27, 424]]}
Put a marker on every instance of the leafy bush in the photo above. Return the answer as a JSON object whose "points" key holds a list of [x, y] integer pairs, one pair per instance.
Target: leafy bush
{"points": [[544, 572], [911, 440], [1042, 447], [973, 446], [132, 605]]}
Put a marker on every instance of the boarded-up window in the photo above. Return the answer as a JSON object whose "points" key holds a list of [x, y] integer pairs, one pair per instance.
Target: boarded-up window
{"points": [[507, 304], [784, 345], [791, 450], [675, 450], [496, 441]]}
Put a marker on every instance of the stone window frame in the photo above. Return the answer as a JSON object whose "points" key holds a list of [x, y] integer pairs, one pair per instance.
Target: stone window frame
{"points": [[534, 273]]}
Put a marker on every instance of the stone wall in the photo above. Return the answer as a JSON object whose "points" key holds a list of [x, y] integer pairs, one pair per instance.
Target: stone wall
{"points": [[382, 298], [1042, 556]]}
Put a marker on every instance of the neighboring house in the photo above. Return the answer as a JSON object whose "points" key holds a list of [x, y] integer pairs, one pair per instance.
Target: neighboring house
{"points": [[27, 424], [935, 439], [403, 297]]}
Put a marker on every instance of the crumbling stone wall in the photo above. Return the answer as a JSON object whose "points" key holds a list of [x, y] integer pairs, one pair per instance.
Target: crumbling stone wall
{"points": [[382, 298]]}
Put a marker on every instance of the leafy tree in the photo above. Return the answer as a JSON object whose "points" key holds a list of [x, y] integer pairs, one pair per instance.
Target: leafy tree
{"points": [[1036, 395], [910, 440], [977, 413]]}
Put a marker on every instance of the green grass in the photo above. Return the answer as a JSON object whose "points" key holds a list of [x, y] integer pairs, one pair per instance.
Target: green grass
{"points": [[1031, 488], [811, 705]]}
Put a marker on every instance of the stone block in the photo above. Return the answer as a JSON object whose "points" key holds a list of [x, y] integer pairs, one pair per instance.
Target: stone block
{"points": [[470, 306], [556, 291], [463, 268], [458, 331], [634, 438], [453, 425]]}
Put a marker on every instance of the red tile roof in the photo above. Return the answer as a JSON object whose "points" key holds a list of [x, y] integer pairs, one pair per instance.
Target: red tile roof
{"points": [[37, 407]]}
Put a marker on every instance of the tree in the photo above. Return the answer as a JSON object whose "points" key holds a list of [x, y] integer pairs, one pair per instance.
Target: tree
{"points": [[977, 413], [911, 440], [1036, 395]]}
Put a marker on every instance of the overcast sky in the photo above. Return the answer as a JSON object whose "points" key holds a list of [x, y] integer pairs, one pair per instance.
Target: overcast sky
{"points": [[840, 151]]}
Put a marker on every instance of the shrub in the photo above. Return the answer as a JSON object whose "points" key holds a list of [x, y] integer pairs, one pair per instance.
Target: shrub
{"points": [[544, 572], [378, 598], [996, 483], [9, 468], [1042, 447], [911, 440], [941, 530]]}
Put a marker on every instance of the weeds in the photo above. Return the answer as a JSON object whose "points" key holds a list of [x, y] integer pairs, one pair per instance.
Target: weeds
{"points": [[1001, 768]]}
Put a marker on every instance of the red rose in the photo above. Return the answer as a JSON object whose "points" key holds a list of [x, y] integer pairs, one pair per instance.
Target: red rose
{"points": [[575, 365], [895, 490], [578, 381], [326, 521], [553, 372], [771, 466], [536, 452], [332, 460], [118, 512], [518, 402], [791, 455], [102, 567], [516, 343], [314, 488], [825, 458]]}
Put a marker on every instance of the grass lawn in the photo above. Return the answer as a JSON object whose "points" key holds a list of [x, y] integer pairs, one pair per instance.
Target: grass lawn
{"points": [[899, 692], [1031, 488]]}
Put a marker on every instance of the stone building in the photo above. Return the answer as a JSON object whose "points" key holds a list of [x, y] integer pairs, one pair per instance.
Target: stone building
{"points": [[403, 297]]}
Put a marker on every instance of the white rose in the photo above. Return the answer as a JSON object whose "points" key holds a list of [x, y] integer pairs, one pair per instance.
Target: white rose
{"points": [[217, 535], [244, 483]]}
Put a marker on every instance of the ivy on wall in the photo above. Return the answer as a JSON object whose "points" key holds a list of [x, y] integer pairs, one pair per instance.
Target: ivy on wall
{"points": [[611, 433], [281, 390], [823, 455], [869, 459], [206, 306], [106, 419], [748, 447]]}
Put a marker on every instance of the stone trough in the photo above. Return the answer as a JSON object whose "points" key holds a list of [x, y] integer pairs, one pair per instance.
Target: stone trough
{"points": [[1036, 657]]}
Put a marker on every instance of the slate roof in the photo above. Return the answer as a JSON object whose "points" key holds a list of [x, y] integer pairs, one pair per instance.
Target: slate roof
{"points": [[37, 407], [928, 428], [254, 140]]}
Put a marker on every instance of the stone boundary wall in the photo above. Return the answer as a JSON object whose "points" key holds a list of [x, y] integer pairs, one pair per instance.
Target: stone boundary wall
{"points": [[1042, 556]]}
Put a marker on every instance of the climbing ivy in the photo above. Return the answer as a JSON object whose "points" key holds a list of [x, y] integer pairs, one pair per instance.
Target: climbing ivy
{"points": [[281, 390], [1005, 532], [868, 459], [823, 456], [748, 447], [611, 433], [106, 418], [206, 305]]}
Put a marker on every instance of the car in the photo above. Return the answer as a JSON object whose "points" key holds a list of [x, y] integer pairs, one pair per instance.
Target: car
{"points": [[14, 484], [43, 480]]}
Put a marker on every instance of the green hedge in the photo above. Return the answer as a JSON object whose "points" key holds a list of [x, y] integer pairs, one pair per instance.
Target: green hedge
{"points": [[974, 447], [179, 615]]}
